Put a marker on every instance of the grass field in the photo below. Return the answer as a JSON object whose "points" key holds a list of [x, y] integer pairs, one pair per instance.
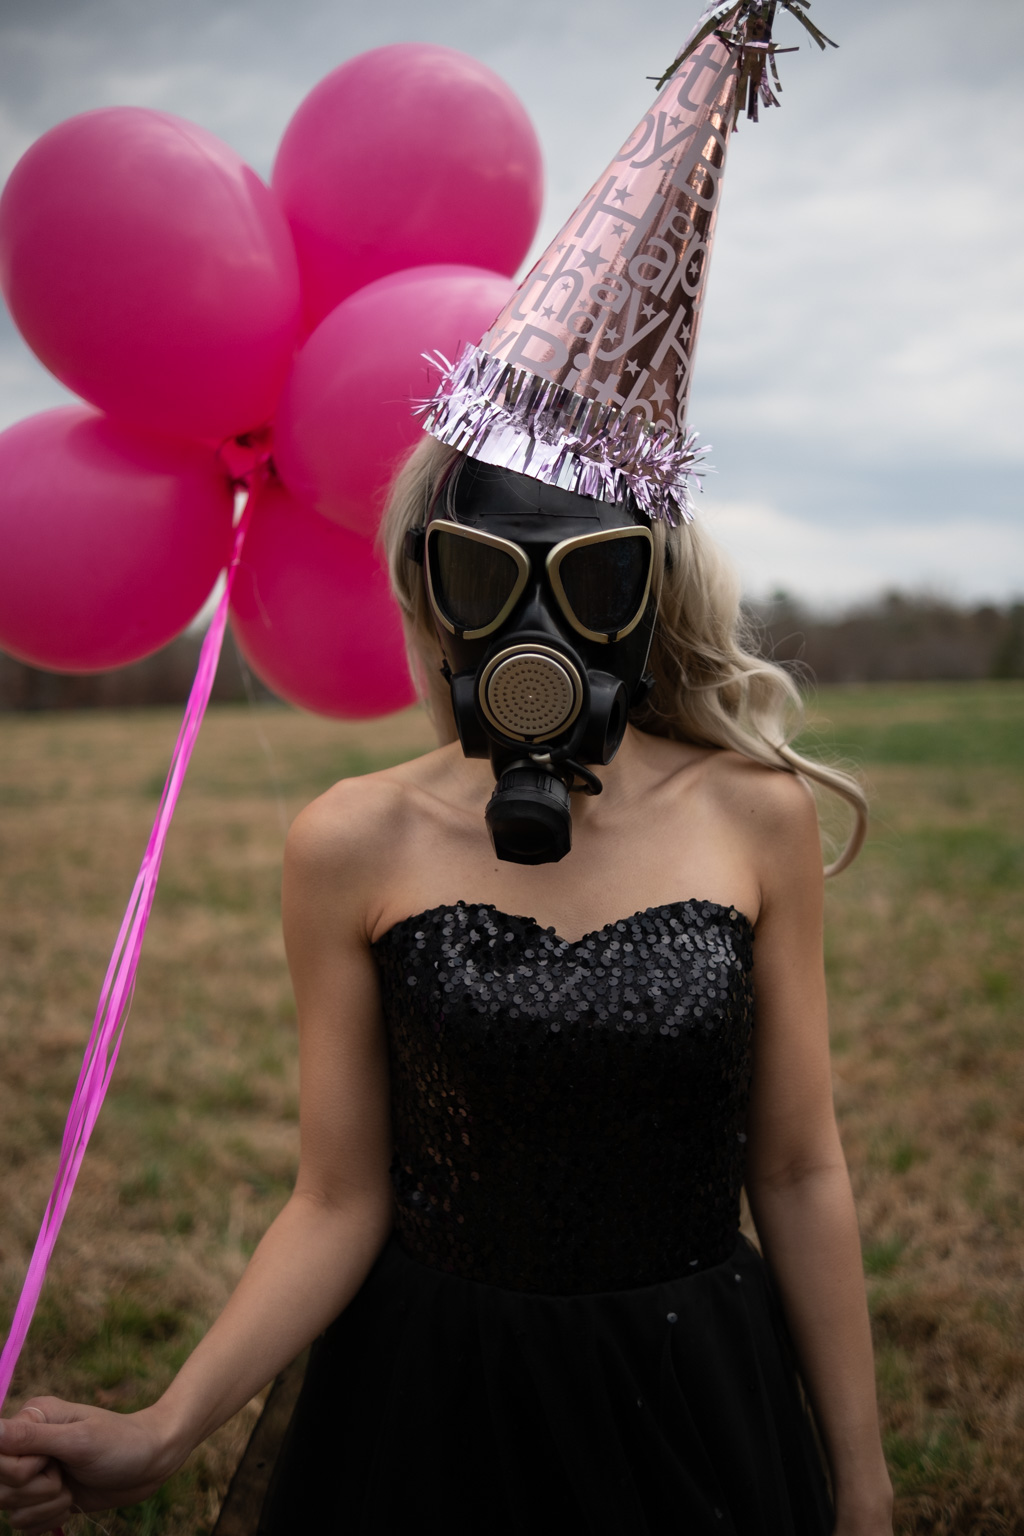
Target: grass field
{"points": [[196, 1147]]}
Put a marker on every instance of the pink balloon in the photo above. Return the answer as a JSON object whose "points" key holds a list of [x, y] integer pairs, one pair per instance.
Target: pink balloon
{"points": [[406, 156], [152, 271], [345, 419], [314, 616], [111, 539]]}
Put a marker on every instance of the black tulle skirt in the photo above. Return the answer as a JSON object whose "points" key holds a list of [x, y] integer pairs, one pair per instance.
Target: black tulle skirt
{"points": [[438, 1403]]}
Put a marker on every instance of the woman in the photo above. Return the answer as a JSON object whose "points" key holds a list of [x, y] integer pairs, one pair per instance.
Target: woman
{"points": [[566, 1330]]}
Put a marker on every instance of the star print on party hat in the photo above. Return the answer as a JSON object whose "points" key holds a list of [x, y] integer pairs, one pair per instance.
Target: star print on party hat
{"points": [[583, 380]]}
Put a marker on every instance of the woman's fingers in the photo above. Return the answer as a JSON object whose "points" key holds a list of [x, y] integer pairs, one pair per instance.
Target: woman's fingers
{"points": [[18, 1466], [37, 1503], [16, 1471], [27, 1435], [32, 1490], [43, 1489], [44, 1519], [45, 1483]]}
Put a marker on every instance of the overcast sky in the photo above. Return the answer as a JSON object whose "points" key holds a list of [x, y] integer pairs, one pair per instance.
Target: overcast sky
{"points": [[859, 372]]}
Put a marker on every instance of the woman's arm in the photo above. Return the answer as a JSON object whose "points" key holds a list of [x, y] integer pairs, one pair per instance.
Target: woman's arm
{"points": [[318, 1251], [797, 1181]]}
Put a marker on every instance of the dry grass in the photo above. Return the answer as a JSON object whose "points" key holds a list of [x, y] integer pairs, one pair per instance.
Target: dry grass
{"points": [[196, 1147], [924, 947]]}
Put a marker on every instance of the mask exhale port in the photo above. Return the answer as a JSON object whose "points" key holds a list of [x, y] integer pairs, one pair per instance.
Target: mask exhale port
{"points": [[531, 692]]}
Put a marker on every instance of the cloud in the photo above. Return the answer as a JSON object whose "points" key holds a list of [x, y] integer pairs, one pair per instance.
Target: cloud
{"points": [[863, 322], [965, 559], [885, 312]]}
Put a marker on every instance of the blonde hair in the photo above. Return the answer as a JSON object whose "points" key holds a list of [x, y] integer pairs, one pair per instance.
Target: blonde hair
{"points": [[711, 689]]}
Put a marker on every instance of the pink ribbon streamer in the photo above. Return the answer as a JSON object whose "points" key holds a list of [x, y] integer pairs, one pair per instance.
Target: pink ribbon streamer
{"points": [[119, 983]]}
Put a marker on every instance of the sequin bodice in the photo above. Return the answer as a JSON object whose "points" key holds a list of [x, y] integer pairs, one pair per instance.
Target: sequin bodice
{"points": [[568, 1116]]}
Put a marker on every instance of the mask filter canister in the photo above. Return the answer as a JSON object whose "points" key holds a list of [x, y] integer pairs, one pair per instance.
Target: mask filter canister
{"points": [[528, 815]]}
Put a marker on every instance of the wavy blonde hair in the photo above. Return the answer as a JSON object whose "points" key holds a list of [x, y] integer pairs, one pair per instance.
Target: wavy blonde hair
{"points": [[711, 688]]}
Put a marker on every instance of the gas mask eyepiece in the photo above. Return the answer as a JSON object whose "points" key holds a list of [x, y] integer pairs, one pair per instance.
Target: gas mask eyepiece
{"points": [[543, 603]]}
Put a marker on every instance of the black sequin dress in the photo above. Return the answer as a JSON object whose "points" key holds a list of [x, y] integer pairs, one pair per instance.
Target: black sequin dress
{"points": [[566, 1331]]}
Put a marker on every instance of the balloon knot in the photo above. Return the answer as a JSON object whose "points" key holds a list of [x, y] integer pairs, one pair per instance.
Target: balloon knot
{"points": [[247, 457]]}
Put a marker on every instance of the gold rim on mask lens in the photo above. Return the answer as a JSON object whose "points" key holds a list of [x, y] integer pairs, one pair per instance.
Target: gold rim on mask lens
{"points": [[474, 579], [612, 595], [601, 581]]}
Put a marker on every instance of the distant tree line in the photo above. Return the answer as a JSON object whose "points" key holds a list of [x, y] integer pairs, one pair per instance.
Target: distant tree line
{"points": [[898, 637], [895, 638], [163, 678]]}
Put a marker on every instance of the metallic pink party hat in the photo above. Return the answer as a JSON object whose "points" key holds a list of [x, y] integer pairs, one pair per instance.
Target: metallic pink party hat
{"points": [[583, 381]]}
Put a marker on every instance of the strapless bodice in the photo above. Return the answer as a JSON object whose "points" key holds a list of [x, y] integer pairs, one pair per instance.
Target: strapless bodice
{"points": [[568, 1116]]}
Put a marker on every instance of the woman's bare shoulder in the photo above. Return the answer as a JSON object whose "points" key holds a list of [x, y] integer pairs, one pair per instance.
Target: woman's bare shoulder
{"points": [[366, 816], [772, 813], [780, 800]]}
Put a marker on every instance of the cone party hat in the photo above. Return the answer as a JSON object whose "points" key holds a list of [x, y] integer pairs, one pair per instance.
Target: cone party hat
{"points": [[583, 380]]}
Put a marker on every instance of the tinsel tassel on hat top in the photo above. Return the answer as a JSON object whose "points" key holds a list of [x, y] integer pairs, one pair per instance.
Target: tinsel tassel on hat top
{"points": [[583, 381]]}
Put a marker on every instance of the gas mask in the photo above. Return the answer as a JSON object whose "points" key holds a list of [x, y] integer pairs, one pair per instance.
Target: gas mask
{"points": [[544, 605]]}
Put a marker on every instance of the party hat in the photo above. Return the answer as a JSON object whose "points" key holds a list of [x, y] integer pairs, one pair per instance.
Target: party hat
{"points": [[583, 380]]}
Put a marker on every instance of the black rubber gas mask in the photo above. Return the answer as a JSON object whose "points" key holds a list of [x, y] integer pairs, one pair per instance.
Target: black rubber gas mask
{"points": [[543, 601]]}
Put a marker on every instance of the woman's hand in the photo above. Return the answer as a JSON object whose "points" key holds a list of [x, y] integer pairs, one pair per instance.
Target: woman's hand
{"points": [[57, 1456]]}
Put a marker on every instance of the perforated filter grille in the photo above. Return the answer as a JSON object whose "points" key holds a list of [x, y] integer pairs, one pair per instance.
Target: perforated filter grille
{"points": [[530, 695]]}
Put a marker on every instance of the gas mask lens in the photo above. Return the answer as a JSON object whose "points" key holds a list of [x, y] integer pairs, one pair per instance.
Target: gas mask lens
{"points": [[474, 579], [601, 581]]}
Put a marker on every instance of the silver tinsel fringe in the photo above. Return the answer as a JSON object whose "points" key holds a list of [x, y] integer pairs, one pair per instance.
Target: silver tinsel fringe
{"points": [[510, 417]]}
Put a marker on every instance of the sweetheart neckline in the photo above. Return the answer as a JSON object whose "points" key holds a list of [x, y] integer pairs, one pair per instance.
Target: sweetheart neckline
{"points": [[515, 917]]}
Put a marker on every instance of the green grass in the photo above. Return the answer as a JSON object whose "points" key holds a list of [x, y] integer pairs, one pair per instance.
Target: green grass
{"points": [[949, 725], [940, 1456], [882, 1257]]}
